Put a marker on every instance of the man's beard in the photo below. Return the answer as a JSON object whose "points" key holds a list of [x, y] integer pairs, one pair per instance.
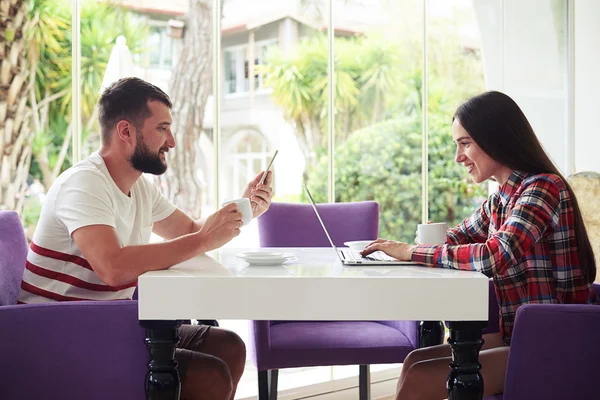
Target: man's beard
{"points": [[145, 161]]}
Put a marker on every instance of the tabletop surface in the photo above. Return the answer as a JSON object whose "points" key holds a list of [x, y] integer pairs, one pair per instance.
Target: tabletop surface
{"points": [[313, 286]]}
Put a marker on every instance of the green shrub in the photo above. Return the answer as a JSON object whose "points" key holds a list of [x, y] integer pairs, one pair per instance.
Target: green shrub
{"points": [[383, 163]]}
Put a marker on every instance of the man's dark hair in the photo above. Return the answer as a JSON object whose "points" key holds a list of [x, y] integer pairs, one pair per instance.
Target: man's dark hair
{"points": [[127, 99]]}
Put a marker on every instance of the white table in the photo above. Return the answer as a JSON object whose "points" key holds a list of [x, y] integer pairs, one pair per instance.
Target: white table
{"points": [[315, 286]]}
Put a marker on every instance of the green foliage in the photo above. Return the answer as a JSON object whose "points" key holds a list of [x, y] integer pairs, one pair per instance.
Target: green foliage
{"points": [[378, 106], [365, 73], [49, 53], [31, 211], [383, 163]]}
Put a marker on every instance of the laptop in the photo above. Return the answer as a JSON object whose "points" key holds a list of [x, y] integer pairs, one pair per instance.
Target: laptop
{"points": [[353, 257]]}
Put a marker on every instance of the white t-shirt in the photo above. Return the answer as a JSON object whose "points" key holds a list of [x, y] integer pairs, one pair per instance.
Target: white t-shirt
{"points": [[84, 195]]}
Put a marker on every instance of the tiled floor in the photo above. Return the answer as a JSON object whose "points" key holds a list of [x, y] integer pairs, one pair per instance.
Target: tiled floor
{"points": [[322, 383], [383, 390], [379, 391]]}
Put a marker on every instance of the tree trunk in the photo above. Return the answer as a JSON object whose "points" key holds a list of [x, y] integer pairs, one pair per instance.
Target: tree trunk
{"points": [[190, 87], [15, 131]]}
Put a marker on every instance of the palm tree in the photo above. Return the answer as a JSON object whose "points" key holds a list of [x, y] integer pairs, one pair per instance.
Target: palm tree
{"points": [[15, 78], [35, 84], [366, 75]]}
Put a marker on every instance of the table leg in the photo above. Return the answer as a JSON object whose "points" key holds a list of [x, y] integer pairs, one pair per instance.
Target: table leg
{"points": [[162, 379], [465, 381], [431, 333]]}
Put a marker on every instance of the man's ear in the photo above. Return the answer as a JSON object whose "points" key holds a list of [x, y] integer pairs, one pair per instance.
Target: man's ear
{"points": [[125, 131]]}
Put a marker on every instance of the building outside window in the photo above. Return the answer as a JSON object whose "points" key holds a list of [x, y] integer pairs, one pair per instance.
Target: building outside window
{"points": [[160, 48], [236, 67]]}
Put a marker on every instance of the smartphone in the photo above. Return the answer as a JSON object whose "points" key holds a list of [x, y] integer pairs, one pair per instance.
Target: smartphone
{"points": [[262, 180]]}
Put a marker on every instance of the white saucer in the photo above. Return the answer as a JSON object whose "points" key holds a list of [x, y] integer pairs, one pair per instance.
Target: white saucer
{"points": [[265, 258]]}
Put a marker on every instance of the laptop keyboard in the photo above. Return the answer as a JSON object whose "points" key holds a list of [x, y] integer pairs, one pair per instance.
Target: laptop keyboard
{"points": [[355, 256]]}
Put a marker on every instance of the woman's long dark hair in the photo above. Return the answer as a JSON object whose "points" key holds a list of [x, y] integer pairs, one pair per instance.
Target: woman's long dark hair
{"points": [[499, 127]]}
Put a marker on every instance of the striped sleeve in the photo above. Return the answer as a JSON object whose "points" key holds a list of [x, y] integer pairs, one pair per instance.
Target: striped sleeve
{"points": [[473, 229], [535, 214]]}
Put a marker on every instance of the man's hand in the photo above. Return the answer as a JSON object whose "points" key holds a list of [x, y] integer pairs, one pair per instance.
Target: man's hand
{"points": [[220, 227], [399, 250], [259, 195]]}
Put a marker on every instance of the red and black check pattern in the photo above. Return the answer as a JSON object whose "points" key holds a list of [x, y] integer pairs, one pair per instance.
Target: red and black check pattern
{"points": [[523, 236]]}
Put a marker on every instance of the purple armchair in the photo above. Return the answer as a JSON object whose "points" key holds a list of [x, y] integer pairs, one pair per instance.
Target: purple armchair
{"points": [[67, 350], [554, 352], [286, 344]]}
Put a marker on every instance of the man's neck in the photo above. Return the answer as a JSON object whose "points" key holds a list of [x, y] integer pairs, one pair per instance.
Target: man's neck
{"points": [[120, 170]]}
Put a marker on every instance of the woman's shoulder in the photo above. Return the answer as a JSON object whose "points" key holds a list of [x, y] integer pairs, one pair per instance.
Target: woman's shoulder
{"points": [[544, 180]]}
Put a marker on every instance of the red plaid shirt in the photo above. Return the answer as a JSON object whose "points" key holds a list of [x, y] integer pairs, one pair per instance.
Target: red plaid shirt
{"points": [[523, 237]]}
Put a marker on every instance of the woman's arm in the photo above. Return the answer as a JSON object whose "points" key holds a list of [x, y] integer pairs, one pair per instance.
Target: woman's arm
{"points": [[473, 229], [535, 214]]}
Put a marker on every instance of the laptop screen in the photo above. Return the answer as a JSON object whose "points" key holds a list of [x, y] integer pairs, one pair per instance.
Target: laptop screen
{"points": [[312, 201]]}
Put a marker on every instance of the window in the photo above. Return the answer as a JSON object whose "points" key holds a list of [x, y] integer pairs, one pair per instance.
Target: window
{"points": [[236, 63], [248, 154], [231, 73], [160, 47]]}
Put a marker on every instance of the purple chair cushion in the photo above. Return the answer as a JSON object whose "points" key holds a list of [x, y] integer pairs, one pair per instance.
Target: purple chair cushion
{"points": [[303, 344], [280, 227], [91, 350], [555, 350], [13, 254]]}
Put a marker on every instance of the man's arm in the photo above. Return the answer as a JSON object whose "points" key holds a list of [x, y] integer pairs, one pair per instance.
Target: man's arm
{"points": [[116, 265], [177, 224]]}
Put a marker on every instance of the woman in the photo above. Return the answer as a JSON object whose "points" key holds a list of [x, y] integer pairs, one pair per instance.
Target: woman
{"points": [[528, 236]]}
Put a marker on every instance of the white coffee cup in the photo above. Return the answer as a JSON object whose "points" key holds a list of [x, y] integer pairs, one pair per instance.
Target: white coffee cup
{"points": [[432, 233], [244, 207]]}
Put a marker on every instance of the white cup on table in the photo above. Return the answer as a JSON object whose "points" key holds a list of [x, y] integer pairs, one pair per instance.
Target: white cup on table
{"points": [[434, 233], [244, 207]]}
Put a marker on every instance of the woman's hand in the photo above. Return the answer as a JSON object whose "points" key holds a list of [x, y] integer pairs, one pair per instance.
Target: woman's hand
{"points": [[399, 250]]}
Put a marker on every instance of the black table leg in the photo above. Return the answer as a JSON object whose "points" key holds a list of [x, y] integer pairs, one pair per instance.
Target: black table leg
{"points": [[162, 380], [465, 381], [431, 333]]}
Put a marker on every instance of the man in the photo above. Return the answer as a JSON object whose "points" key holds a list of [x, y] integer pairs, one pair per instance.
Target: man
{"points": [[92, 239]]}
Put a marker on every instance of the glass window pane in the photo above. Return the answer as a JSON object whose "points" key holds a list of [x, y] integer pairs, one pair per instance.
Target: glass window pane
{"points": [[455, 72], [269, 112], [378, 129], [230, 73], [155, 34], [271, 118], [28, 168], [535, 68]]}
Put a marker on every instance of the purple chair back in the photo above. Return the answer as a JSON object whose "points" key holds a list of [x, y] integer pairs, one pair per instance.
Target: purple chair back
{"points": [[91, 350], [296, 225], [554, 352], [494, 309], [13, 253]]}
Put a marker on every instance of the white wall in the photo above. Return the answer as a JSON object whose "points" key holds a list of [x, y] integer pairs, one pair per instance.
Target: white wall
{"points": [[587, 85], [524, 47]]}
